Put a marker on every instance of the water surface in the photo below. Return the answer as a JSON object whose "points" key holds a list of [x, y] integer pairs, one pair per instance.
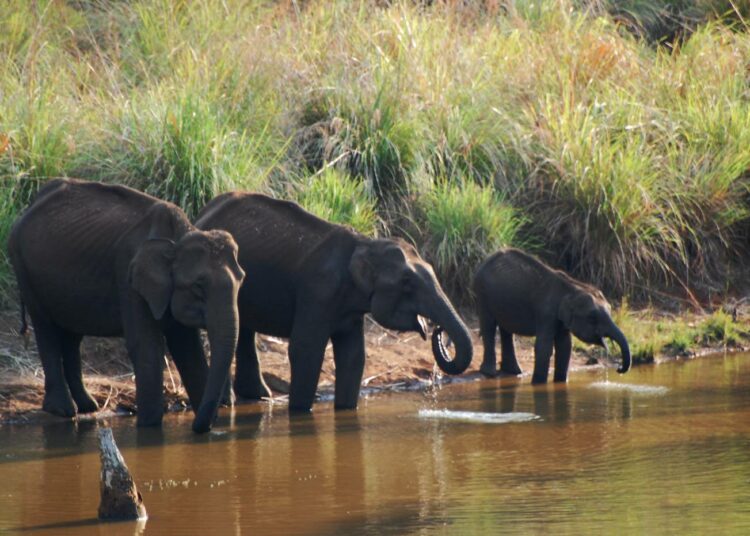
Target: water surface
{"points": [[661, 450]]}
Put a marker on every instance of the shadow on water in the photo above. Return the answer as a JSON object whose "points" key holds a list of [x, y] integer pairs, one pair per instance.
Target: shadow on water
{"points": [[76, 437], [75, 524], [395, 521]]}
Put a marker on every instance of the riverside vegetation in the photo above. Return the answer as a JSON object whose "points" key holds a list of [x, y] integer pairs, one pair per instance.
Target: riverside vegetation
{"points": [[611, 138]]}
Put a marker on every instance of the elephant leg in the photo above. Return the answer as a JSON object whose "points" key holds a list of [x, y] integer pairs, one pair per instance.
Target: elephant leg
{"points": [[306, 350], [186, 348], [509, 363], [248, 380], [57, 396], [349, 356], [145, 344], [487, 330], [71, 352], [542, 355], [563, 346]]}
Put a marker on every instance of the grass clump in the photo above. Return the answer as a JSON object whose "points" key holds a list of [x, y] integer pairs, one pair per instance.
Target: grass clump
{"points": [[461, 223], [721, 328], [336, 197]]}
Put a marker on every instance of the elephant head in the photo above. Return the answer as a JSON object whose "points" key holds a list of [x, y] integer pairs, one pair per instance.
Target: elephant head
{"points": [[586, 313], [198, 278], [402, 291]]}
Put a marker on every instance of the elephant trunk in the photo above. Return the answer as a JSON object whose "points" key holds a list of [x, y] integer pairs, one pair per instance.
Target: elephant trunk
{"points": [[447, 319], [223, 331], [619, 338]]}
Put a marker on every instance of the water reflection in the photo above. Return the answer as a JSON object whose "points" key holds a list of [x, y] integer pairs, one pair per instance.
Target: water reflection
{"points": [[612, 460]]}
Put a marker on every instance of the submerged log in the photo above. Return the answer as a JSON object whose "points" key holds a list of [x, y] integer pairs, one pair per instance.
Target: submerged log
{"points": [[119, 497]]}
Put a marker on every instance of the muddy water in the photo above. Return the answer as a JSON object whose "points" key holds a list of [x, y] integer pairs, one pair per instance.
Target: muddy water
{"points": [[662, 450]]}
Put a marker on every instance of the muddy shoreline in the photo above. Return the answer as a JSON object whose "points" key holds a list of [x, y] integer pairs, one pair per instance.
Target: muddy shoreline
{"points": [[395, 362]]}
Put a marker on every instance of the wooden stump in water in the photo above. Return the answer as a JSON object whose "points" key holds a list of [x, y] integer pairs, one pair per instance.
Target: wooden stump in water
{"points": [[119, 497]]}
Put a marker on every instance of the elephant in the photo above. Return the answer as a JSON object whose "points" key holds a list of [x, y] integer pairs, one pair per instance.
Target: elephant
{"points": [[517, 293], [312, 281], [107, 260]]}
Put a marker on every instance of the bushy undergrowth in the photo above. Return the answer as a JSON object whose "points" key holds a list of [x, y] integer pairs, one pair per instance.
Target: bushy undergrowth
{"points": [[461, 224], [556, 123], [335, 197], [651, 334]]}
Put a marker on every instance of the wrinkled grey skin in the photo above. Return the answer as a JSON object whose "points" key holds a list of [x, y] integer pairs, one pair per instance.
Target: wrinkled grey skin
{"points": [[313, 281], [519, 294], [105, 260]]}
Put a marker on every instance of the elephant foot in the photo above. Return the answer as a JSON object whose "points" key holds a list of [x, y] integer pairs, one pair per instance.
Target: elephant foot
{"points": [[513, 371], [488, 369], [252, 390], [538, 379], [561, 379], [149, 418], [59, 405], [86, 404]]}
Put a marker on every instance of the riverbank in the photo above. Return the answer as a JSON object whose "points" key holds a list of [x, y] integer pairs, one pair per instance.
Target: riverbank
{"points": [[394, 361]]}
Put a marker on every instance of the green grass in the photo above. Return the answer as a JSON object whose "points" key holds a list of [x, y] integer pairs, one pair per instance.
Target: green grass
{"points": [[652, 334], [335, 197], [461, 223], [553, 123]]}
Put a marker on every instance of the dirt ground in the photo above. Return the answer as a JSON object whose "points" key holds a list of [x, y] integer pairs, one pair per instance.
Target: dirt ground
{"points": [[394, 361]]}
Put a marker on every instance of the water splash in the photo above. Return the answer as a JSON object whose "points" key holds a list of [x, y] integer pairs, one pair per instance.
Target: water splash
{"points": [[630, 387], [477, 417]]}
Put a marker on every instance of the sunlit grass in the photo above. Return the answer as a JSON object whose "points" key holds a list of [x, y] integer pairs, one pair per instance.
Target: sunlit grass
{"points": [[652, 334], [623, 162], [462, 223], [335, 197]]}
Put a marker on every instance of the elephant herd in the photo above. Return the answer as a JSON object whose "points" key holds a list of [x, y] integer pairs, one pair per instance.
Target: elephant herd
{"points": [[107, 260]]}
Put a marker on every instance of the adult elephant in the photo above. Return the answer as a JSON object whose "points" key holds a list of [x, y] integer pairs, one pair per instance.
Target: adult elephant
{"points": [[519, 294], [105, 260], [313, 281]]}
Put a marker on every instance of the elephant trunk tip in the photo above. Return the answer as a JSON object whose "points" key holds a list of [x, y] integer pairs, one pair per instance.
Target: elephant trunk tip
{"points": [[622, 342]]}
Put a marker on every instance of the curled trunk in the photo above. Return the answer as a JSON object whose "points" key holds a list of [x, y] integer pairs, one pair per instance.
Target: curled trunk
{"points": [[448, 320]]}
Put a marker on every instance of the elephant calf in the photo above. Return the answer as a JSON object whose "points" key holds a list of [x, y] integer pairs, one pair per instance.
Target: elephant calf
{"points": [[105, 260], [519, 294]]}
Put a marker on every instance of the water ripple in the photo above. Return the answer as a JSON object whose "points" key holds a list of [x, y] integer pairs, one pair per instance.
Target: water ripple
{"points": [[475, 416], [630, 387]]}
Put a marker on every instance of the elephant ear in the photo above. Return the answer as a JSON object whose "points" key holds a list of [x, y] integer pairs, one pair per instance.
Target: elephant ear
{"points": [[150, 274], [361, 269]]}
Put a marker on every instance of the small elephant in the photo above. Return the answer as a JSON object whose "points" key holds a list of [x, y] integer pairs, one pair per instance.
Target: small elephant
{"points": [[105, 260], [519, 294], [313, 281]]}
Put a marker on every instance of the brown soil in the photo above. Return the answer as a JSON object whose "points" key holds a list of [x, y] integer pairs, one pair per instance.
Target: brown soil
{"points": [[393, 361]]}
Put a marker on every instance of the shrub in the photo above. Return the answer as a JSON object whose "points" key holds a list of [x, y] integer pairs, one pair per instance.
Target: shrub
{"points": [[462, 223], [335, 197]]}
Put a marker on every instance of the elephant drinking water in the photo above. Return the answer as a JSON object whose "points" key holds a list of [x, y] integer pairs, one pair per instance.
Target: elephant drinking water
{"points": [[313, 281], [105, 260], [519, 294]]}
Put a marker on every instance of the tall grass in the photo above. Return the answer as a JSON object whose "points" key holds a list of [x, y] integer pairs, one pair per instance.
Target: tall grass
{"points": [[461, 224], [465, 126], [335, 197]]}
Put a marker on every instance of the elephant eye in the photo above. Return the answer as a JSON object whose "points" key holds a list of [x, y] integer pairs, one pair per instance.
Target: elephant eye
{"points": [[198, 288], [407, 282]]}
